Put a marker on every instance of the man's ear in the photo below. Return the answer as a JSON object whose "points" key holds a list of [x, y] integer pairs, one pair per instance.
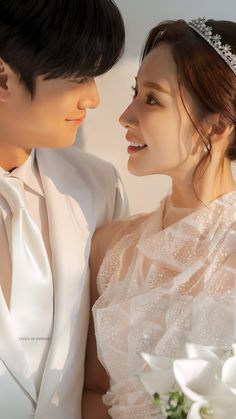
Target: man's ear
{"points": [[4, 80]]}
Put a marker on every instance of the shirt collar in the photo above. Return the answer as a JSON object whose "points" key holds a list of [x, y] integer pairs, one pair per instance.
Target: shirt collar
{"points": [[28, 172]]}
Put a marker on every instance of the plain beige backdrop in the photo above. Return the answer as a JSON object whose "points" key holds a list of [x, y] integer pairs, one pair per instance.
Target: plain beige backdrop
{"points": [[101, 133]]}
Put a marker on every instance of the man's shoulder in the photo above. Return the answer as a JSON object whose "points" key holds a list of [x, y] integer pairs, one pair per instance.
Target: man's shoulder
{"points": [[73, 161], [91, 181], [80, 159]]}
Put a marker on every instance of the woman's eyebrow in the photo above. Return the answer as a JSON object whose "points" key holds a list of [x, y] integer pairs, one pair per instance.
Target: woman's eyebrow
{"points": [[155, 86]]}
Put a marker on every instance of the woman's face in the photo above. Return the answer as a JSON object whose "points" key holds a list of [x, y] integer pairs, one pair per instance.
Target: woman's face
{"points": [[156, 120]]}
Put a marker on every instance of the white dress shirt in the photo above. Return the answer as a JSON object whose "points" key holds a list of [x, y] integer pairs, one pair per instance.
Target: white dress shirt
{"points": [[35, 203]]}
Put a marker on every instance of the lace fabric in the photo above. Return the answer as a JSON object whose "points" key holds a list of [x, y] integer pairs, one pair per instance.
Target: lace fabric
{"points": [[160, 289]]}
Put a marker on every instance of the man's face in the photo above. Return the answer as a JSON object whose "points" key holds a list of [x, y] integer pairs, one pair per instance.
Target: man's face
{"points": [[49, 120]]}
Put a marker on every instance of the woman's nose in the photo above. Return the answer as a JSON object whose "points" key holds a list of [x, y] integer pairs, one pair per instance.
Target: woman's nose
{"points": [[128, 118]]}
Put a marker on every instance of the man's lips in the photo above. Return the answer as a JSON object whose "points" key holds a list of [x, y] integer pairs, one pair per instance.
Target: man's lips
{"points": [[75, 121]]}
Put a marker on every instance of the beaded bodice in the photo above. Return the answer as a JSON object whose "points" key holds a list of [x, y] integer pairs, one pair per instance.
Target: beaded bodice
{"points": [[160, 289]]}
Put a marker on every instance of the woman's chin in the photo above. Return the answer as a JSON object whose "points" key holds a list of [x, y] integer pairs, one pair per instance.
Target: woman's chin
{"points": [[137, 171]]}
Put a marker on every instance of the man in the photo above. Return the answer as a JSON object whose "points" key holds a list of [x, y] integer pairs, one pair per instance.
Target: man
{"points": [[52, 197]]}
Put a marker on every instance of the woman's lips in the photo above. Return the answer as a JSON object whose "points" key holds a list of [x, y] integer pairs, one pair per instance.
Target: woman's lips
{"points": [[131, 149], [135, 145]]}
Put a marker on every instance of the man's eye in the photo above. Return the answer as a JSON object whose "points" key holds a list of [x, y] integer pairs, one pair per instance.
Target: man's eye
{"points": [[83, 80]]}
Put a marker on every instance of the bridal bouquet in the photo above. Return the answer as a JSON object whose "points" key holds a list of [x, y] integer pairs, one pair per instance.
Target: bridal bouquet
{"points": [[200, 386]]}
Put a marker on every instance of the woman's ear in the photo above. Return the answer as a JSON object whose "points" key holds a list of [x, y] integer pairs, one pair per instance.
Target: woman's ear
{"points": [[219, 128], [4, 79]]}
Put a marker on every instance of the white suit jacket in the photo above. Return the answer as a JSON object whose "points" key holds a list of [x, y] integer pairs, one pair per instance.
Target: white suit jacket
{"points": [[82, 193]]}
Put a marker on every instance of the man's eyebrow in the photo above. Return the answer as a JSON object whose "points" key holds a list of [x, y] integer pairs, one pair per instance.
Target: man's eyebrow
{"points": [[155, 86]]}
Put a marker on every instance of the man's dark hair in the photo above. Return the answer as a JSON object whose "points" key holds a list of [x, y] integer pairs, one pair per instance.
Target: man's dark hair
{"points": [[60, 38]]}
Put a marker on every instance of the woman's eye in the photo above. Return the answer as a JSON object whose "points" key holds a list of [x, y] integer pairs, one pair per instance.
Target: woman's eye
{"points": [[151, 100], [135, 91]]}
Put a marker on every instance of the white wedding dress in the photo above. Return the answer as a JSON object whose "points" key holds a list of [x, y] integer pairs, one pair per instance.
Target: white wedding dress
{"points": [[160, 289]]}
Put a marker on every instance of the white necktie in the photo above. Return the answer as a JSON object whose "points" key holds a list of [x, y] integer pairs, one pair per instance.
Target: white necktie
{"points": [[31, 305]]}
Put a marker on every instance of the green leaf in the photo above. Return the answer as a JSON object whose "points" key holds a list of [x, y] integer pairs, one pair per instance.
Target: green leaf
{"points": [[157, 399]]}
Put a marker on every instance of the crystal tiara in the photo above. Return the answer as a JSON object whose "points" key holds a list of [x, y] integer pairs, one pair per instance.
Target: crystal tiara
{"points": [[206, 32]]}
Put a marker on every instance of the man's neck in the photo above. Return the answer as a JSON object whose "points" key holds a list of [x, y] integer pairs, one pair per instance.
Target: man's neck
{"points": [[12, 157]]}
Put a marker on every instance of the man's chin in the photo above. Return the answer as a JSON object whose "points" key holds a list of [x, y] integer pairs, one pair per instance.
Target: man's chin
{"points": [[63, 143]]}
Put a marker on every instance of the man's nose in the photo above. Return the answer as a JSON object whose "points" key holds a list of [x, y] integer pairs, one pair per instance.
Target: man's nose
{"points": [[90, 97]]}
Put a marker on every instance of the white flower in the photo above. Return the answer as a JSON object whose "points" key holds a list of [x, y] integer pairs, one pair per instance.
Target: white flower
{"points": [[206, 377], [208, 382], [161, 379]]}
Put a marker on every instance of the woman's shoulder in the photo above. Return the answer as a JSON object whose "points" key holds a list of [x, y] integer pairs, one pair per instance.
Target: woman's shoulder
{"points": [[106, 237]]}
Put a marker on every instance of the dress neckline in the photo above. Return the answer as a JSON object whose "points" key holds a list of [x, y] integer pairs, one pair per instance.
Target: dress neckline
{"points": [[172, 214]]}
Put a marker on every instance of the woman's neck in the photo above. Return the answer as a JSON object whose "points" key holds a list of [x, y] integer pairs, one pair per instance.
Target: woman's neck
{"points": [[217, 180]]}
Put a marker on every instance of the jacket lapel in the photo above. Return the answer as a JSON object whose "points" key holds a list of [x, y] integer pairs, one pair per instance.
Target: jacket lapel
{"points": [[11, 353], [69, 239]]}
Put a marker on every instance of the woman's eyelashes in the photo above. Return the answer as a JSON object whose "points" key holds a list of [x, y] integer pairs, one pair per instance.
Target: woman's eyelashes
{"points": [[135, 91], [150, 98]]}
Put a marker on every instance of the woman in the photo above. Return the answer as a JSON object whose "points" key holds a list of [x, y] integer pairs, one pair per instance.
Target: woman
{"points": [[166, 278]]}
